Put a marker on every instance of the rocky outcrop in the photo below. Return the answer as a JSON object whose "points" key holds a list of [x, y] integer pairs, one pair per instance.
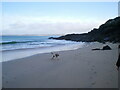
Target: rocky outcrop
{"points": [[107, 32]]}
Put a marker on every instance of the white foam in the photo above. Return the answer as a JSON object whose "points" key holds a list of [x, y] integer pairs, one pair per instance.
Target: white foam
{"points": [[21, 53]]}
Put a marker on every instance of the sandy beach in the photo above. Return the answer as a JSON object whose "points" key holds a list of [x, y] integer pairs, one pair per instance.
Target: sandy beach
{"points": [[81, 68]]}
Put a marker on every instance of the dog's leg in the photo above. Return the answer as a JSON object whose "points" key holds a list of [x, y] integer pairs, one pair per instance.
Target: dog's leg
{"points": [[53, 57], [57, 57]]}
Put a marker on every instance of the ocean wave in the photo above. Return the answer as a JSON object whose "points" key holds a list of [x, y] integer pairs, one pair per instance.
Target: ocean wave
{"points": [[15, 42]]}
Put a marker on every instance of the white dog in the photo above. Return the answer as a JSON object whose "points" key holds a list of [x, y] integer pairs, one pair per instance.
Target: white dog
{"points": [[54, 55]]}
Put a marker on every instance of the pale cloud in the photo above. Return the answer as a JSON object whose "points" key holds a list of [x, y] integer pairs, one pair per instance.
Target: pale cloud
{"points": [[19, 25]]}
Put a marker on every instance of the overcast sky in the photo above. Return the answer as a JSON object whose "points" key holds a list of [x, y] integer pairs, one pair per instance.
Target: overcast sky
{"points": [[43, 18]]}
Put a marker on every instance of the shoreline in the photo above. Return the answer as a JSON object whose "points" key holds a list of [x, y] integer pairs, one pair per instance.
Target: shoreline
{"points": [[37, 47], [8, 55], [80, 68]]}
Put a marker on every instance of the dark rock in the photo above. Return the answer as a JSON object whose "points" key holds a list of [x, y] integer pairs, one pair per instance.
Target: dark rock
{"points": [[96, 49], [118, 62], [119, 46], [51, 38], [106, 48]]}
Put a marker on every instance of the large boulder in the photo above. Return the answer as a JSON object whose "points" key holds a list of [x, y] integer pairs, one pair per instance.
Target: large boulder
{"points": [[106, 48]]}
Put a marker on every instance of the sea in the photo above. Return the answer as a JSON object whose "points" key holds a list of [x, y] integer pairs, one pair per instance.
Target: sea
{"points": [[15, 47]]}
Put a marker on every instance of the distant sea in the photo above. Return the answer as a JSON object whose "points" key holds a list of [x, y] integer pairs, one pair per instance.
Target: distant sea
{"points": [[14, 47]]}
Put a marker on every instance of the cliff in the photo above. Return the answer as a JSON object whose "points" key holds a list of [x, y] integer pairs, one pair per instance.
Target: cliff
{"points": [[107, 32]]}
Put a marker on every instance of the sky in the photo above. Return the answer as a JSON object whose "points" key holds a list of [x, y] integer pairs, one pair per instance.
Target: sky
{"points": [[45, 18]]}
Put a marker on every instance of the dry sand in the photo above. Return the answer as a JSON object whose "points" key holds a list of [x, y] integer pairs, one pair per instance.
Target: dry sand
{"points": [[81, 68]]}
